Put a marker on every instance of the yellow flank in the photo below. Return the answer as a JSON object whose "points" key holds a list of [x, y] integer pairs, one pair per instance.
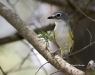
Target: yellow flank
{"points": [[70, 38], [71, 42]]}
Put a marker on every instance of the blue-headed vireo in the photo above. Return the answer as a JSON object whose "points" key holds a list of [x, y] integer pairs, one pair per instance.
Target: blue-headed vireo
{"points": [[62, 32]]}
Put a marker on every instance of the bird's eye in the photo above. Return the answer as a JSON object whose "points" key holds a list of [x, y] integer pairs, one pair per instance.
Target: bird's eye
{"points": [[58, 15]]}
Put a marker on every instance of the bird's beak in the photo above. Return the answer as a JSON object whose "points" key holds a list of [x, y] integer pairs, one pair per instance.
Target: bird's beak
{"points": [[51, 17]]}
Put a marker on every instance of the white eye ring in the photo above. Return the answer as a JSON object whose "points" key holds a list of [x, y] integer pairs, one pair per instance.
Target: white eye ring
{"points": [[58, 15]]}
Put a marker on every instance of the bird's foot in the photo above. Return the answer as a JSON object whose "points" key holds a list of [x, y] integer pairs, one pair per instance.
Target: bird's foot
{"points": [[66, 57], [55, 52]]}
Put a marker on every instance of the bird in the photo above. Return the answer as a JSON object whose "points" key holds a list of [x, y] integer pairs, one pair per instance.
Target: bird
{"points": [[63, 33]]}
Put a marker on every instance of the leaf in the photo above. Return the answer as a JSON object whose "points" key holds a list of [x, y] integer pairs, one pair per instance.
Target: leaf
{"points": [[46, 36]]}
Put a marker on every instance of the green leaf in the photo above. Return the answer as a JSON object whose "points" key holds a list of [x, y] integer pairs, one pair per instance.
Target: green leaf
{"points": [[46, 36]]}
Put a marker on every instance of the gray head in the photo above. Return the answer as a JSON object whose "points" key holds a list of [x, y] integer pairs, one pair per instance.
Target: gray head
{"points": [[59, 16]]}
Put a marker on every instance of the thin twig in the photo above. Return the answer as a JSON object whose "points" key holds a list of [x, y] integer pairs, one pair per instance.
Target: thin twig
{"points": [[41, 67], [54, 72], [39, 62], [2, 71], [32, 49], [20, 65], [90, 35], [82, 49], [85, 46], [72, 2], [23, 60]]}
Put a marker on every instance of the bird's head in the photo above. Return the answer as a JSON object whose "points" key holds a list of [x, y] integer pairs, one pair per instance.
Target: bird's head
{"points": [[59, 16]]}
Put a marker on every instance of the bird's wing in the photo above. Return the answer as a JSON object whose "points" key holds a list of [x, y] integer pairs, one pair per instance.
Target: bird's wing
{"points": [[72, 40]]}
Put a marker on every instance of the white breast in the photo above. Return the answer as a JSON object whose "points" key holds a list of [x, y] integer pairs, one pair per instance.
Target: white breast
{"points": [[61, 31]]}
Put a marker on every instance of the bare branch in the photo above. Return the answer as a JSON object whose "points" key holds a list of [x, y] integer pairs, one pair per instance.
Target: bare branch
{"points": [[82, 48], [55, 72], [90, 35], [2, 71], [16, 36], [23, 61], [91, 43], [55, 2], [39, 63], [11, 38], [78, 9], [41, 67], [33, 39]]}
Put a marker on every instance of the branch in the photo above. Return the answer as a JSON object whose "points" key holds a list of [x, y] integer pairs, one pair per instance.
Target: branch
{"points": [[2, 71], [16, 36], [55, 2], [11, 38], [33, 39], [40, 68], [78, 9], [83, 48]]}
